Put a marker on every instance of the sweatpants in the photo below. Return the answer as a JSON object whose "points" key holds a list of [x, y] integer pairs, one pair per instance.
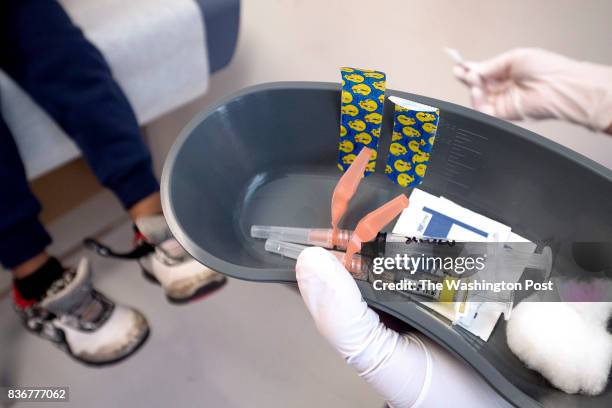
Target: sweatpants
{"points": [[50, 58]]}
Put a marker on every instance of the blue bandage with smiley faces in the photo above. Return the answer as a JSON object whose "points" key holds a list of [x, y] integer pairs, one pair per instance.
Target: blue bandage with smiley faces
{"points": [[414, 133], [361, 112]]}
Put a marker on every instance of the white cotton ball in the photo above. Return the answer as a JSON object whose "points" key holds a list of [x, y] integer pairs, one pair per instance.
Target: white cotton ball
{"points": [[597, 312], [572, 352]]}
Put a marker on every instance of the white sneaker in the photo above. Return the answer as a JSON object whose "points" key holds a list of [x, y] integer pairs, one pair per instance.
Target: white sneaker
{"points": [[165, 262], [83, 322], [182, 277]]}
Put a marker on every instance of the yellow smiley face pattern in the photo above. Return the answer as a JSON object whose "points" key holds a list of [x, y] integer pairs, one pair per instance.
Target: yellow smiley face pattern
{"points": [[361, 110], [414, 133]]}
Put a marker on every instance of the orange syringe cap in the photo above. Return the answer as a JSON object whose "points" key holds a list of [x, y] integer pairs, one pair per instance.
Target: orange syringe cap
{"points": [[373, 223], [346, 187]]}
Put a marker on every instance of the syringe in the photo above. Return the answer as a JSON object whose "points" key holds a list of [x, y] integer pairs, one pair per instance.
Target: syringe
{"points": [[503, 263], [322, 237], [358, 266]]}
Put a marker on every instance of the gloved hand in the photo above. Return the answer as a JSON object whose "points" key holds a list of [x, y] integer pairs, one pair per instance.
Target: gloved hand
{"points": [[407, 370], [538, 84]]}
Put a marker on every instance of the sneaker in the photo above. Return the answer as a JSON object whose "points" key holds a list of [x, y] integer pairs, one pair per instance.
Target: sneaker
{"points": [[164, 262], [82, 321]]}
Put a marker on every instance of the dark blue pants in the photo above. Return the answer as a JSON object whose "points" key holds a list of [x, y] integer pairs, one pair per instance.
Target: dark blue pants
{"points": [[48, 56]]}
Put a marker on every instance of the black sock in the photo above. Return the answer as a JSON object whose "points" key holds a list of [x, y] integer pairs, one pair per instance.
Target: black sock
{"points": [[35, 285]]}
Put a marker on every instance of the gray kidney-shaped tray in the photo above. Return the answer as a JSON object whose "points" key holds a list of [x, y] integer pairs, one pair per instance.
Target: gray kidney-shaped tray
{"points": [[267, 155]]}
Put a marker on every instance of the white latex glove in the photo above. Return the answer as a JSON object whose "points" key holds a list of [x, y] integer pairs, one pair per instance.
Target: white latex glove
{"points": [[407, 370], [538, 84]]}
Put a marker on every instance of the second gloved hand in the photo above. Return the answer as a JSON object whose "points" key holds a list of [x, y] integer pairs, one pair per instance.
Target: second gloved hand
{"points": [[538, 84], [407, 370]]}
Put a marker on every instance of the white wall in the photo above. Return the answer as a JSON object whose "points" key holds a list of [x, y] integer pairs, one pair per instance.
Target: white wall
{"points": [[307, 40]]}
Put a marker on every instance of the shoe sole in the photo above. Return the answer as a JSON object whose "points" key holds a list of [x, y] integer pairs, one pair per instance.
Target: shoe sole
{"points": [[65, 347], [197, 295], [119, 359]]}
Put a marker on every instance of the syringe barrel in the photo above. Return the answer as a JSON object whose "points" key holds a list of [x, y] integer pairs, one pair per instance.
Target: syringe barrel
{"points": [[286, 249], [322, 237], [358, 267]]}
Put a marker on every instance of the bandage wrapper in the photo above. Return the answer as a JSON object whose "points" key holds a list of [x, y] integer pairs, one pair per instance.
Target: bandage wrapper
{"points": [[414, 133], [361, 113]]}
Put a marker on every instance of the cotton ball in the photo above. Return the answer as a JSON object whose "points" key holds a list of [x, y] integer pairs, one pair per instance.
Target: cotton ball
{"points": [[597, 312], [572, 352]]}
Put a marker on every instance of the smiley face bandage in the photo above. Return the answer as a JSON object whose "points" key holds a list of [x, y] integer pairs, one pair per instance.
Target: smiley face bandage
{"points": [[361, 112], [414, 133]]}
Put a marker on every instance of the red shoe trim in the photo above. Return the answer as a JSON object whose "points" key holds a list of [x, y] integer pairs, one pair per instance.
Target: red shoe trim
{"points": [[20, 301]]}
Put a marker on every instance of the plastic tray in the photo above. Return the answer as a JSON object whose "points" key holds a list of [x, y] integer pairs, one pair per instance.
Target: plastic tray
{"points": [[267, 156]]}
